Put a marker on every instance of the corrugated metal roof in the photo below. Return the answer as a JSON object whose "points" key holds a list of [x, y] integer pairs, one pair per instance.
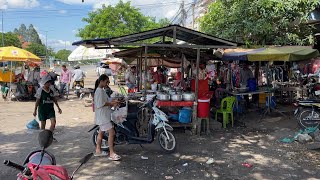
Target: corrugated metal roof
{"points": [[191, 37]]}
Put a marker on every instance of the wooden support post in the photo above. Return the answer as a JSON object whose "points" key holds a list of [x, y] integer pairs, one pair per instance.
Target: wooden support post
{"points": [[140, 72], [145, 71], [195, 105], [182, 70]]}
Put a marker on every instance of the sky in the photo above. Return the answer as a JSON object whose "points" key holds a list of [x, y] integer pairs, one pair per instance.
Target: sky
{"points": [[59, 20]]}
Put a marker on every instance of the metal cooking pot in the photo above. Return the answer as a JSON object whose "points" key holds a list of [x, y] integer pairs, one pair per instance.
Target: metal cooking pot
{"points": [[176, 97], [188, 96], [163, 97]]}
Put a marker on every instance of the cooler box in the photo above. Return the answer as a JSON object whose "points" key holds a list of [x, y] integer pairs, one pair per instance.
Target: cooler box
{"points": [[203, 108]]}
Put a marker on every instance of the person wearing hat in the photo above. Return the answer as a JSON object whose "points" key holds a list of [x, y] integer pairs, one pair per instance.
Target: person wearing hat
{"points": [[44, 107]]}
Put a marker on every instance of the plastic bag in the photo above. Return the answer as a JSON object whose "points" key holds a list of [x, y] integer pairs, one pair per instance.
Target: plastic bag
{"points": [[119, 115], [33, 124]]}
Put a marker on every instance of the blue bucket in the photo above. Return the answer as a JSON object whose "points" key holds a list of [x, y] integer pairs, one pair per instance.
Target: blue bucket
{"points": [[185, 115], [252, 83]]}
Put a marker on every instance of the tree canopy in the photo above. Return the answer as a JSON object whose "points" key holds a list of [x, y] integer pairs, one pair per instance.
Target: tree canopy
{"points": [[29, 34], [10, 39], [260, 22], [39, 49], [119, 20], [63, 54]]}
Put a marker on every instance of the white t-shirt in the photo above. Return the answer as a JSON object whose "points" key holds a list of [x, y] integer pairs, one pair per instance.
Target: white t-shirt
{"points": [[102, 113], [130, 78]]}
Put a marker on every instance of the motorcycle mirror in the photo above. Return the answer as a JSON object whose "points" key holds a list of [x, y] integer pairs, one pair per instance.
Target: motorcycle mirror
{"points": [[45, 138], [86, 158]]}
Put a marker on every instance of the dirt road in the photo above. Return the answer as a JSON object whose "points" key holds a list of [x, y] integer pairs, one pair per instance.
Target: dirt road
{"points": [[258, 145]]}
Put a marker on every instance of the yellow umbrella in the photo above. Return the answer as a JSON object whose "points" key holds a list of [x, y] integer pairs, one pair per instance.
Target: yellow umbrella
{"points": [[11, 53]]}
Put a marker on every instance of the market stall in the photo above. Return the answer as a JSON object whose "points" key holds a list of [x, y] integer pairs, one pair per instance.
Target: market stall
{"points": [[14, 54], [195, 46], [273, 69]]}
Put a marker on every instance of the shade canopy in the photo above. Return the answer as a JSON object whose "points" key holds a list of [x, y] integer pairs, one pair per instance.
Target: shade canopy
{"points": [[285, 53], [11, 53], [84, 53], [239, 54]]}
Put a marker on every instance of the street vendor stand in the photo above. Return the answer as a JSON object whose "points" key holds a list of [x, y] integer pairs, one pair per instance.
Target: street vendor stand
{"points": [[14, 54], [269, 56], [195, 45]]}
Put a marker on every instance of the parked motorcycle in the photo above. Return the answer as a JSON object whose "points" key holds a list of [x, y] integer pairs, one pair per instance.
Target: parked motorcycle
{"points": [[308, 113], [127, 131], [312, 84], [41, 164]]}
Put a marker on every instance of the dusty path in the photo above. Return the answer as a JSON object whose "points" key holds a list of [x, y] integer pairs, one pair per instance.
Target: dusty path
{"points": [[258, 144]]}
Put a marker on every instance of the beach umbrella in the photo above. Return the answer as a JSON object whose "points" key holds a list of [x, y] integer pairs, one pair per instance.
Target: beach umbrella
{"points": [[83, 53]]}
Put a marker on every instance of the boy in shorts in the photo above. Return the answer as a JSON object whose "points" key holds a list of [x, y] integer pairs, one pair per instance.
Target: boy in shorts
{"points": [[45, 99]]}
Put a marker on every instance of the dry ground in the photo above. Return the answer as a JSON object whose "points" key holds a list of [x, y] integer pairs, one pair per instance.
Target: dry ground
{"points": [[257, 144]]}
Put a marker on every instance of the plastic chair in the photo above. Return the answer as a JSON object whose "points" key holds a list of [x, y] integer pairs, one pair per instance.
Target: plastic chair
{"points": [[226, 110], [123, 91]]}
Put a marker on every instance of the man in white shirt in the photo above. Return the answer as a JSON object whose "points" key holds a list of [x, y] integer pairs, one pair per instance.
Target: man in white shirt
{"points": [[78, 75]]}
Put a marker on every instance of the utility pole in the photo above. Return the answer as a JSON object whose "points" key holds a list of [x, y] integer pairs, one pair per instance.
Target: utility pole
{"points": [[183, 15], [193, 5], [47, 47], [65, 45], [2, 28]]}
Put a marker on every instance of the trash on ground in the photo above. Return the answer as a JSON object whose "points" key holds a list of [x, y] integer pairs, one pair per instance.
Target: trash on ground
{"points": [[210, 161], [185, 164], [144, 157], [168, 177], [303, 138], [248, 165]]}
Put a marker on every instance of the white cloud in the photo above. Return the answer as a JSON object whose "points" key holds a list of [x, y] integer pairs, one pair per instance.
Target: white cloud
{"points": [[26, 4], [56, 44], [47, 7], [62, 11]]}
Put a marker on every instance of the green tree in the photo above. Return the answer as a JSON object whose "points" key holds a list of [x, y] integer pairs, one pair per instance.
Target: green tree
{"points": [[260, 22], [23, 31], [10, 39], [33, 35], [119, 20], [37, 49], [63, 54]]}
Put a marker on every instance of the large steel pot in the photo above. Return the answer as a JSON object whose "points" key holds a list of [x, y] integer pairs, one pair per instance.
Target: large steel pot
{"points": [[163, 97], [188, 96], [176, 97]]}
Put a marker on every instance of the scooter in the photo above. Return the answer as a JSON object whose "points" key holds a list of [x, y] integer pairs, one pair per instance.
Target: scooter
{"points": [[41, 164], [308, 113], [127, 131]]}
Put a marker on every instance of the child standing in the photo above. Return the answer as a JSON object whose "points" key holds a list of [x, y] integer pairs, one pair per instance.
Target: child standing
{"points": [[44, 104]]}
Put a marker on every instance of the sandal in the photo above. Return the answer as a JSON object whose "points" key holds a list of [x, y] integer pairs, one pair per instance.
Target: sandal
{"points": [[115, 157], [103, 153]]}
